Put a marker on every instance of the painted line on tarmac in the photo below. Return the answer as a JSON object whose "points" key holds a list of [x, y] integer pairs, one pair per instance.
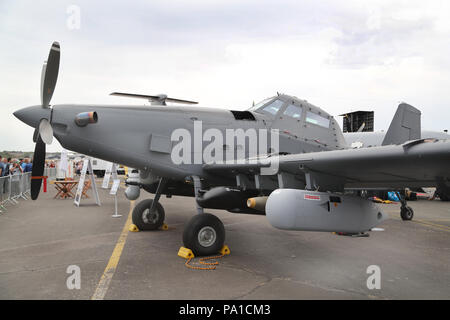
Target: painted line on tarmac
{"points": [[440, 227], [435, 225], [108, 274]]}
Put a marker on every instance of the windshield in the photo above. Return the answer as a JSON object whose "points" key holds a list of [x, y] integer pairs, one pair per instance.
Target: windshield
{"points": [[273, 107], [265, 106], [259, 104]]}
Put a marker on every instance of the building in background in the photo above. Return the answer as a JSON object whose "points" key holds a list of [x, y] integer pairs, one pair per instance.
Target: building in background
{"points": [[358, 121]]}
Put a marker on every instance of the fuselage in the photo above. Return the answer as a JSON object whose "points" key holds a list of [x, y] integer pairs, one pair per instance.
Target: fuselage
{"points": [[146, 137]]}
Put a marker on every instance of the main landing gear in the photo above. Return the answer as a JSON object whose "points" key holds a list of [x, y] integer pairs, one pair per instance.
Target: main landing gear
{"points": [[204, 234]]}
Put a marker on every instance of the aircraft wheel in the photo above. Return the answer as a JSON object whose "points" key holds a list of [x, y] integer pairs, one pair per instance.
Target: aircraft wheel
{"points": [[146, 220], [406, 213], [204, 234]]}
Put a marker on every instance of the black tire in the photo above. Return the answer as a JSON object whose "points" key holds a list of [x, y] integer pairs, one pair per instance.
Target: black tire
{"points": [[406, 213], [203, 224], [141, 216]]}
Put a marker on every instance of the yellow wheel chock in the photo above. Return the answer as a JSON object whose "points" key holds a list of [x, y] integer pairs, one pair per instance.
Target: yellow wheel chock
{"points": [[164, 227], [225, 250], [185, 253], [133, 228], [189, 255]]}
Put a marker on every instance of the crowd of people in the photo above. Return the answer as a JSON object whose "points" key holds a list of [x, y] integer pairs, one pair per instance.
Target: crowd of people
{"points": [[11, 166]]}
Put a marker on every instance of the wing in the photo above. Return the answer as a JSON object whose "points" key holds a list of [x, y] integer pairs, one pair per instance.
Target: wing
{"points": [[415, 163]]}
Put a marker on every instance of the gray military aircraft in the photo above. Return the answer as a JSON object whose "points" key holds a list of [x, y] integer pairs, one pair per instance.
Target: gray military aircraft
{"points": [[303, 176]]}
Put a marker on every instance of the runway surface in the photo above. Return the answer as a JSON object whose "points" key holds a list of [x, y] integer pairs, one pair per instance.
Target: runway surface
{"points": [[40, 239]]}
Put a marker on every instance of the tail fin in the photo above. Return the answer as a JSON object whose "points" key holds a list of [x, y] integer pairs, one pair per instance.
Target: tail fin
{"points": [[405, 125]]}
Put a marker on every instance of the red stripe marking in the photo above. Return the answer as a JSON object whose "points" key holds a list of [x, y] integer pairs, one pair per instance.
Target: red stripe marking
{"points": [[311, 197]]}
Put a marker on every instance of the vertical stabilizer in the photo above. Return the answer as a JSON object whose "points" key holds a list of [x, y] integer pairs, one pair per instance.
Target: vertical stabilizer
{"points": [[405, 125]]}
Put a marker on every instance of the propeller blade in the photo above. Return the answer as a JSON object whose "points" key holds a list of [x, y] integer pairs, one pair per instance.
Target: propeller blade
{"points": [[37, 170], [50, 75], [44, 67], [46, 131]]}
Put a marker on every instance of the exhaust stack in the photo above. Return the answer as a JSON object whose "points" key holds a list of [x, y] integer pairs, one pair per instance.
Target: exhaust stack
{"points": [[84, 118], [257, 203]]}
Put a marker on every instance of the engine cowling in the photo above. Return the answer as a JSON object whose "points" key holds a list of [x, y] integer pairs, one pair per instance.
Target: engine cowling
{"points": [[293, 209]]}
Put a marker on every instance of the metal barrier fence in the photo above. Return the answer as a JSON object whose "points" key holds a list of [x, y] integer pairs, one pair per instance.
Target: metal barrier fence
{"points": [[17, 186], [50, 173], [13, 188]]}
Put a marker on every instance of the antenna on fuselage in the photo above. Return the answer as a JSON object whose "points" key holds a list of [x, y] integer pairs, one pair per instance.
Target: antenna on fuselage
{"points": [[159, 99]]}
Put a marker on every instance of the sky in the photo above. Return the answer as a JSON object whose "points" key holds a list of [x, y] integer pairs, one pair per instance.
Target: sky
{"points": [[339, 55]]}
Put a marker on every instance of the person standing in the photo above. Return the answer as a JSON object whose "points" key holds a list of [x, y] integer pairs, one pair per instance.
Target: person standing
{"points": [[15, 171], [2, 167], [5, 174], [79, 167], [23, 164], [2, 181], [7, 166], [16, 168], [29, 166]]}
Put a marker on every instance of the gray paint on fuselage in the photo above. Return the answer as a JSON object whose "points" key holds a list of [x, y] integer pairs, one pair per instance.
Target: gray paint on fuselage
{"points": [[123, 133]]}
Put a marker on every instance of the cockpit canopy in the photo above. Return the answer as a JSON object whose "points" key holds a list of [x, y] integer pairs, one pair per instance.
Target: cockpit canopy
{"points": [[299, 120], [294, 108]]}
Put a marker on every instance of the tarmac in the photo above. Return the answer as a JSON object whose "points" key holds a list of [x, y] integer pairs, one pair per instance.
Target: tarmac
{"points": [[40, 240]]}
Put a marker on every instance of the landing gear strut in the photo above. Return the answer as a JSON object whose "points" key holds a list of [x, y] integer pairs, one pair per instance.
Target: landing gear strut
{"points": [[406, 212], [149, 214]]}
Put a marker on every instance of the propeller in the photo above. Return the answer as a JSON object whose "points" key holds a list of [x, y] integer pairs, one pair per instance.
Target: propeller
{"points": [[44, 133]]}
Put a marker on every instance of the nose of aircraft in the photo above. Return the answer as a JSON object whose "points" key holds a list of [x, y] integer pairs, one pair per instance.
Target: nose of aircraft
{"points": [[33, 115]]}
